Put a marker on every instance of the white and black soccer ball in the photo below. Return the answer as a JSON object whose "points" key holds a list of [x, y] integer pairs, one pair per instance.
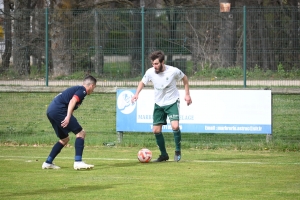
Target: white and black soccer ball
{"points": [[144, 155]]}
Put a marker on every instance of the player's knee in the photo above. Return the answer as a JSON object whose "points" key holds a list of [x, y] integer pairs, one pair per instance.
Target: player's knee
{"points": [[64, 141], [81, 134], [175, 127], [156, 129]]}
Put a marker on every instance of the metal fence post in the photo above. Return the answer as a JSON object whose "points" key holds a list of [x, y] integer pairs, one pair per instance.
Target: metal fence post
{"points": [[143, 39], [120, 136], [245, 44]]}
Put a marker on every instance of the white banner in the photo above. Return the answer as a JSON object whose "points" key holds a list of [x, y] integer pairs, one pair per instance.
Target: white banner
{"points": [[212, 111]]}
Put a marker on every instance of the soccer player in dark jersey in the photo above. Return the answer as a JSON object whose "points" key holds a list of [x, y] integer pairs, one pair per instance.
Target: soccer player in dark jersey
{"points": [[60, 115]]}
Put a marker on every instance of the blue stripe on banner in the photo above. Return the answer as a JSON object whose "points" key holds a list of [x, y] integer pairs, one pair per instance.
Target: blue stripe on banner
{"points": [[203, 128]]}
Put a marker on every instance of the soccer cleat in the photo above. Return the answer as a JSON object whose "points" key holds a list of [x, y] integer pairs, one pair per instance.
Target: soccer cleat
{"points": [[162, 158], [177, 156], [49, 166], [82, 165]]}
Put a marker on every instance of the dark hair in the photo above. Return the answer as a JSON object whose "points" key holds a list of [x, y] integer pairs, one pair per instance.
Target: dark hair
{"points": [[89, 80], [157, 55]]}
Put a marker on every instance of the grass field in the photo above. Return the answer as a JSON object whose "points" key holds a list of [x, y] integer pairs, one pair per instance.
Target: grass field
{"points": [[202, 174], [214, 166], [23, 122]]}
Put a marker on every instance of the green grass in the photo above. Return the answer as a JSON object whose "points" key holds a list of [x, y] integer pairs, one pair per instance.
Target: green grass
{"points": [[214, 166], [122, 71], [202, 174], [23, 122]]}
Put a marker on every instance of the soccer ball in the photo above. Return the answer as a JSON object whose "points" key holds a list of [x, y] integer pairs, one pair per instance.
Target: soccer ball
{"points": [[144, 155]]}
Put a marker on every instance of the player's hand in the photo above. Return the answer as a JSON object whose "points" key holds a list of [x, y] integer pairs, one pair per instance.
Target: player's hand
{"points": [[65, 122], [134, 98], [188, 100]]}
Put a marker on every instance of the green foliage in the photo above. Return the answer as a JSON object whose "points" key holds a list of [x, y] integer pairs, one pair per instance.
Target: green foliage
{"points": [[207, 72], [74, 76], [36, 73], [119, 71], [123, 71], [280, 70]]}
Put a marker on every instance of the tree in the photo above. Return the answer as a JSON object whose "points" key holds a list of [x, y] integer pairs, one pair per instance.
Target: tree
{"points": [[60, 37], [62, 19], [37, 36], [21, 57], [227, 45], [295, 46], [7, 33]]}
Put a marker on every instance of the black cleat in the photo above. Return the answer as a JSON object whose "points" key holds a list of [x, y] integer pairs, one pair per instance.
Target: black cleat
{"points": [[177, 156], [162, 158]]}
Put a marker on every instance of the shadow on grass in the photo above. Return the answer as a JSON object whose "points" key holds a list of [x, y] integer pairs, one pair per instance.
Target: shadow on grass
{"points": [[57, 190]]}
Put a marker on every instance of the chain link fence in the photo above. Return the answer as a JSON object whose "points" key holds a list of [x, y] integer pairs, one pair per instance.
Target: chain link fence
{"points": [[246, 46]]}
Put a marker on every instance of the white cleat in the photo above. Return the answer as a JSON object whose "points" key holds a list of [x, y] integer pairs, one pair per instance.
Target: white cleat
{"points": [[82, 165], [49, 166]]}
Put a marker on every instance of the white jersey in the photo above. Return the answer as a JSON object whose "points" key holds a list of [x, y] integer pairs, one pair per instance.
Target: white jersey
{"points": [[164, 83]]}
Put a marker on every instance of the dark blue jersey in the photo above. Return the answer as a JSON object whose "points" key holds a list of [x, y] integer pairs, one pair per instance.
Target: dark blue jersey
{"points": [[61, 101]]}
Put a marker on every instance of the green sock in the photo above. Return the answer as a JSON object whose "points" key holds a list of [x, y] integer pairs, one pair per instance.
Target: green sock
{"points": [[177, 139], [160, 141]]}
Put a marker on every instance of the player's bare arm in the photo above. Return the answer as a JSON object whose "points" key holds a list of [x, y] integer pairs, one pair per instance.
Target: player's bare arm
{"points": [[138, 90], [187, 97]]}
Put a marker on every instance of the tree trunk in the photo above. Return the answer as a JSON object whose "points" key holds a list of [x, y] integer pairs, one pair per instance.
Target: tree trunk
{"points": [[294, 33], [228, 36], [99, 59], [21, 57], [262, 30], [38, 34], [136, 38], [60, 38], [195, 44], [7, 33], [172, 22]]}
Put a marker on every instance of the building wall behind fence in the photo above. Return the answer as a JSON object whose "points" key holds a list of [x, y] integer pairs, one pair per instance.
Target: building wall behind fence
{"points": [[204, 43]]}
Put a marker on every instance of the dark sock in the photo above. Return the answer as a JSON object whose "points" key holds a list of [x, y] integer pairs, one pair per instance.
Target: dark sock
{"points": [[54, 152], [160, 141], [177, 139], [79, 145]]}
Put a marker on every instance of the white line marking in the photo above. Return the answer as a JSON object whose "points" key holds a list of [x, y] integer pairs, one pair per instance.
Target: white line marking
{"points": [[127, 159]]}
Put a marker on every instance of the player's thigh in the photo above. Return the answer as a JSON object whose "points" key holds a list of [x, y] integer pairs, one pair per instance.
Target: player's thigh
{"points": [[173, 114], [159, 116], [74, 126], [55, 121], [172, 111]]}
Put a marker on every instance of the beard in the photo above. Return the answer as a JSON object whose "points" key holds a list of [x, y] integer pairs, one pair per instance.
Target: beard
{"points": [[160, 69]]}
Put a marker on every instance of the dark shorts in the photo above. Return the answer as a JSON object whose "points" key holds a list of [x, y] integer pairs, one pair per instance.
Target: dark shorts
{"points": [[56, 118], [161, 113]]}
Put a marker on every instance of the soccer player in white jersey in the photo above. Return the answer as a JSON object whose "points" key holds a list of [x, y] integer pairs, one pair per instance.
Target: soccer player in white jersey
{"points": [[166, 98]]}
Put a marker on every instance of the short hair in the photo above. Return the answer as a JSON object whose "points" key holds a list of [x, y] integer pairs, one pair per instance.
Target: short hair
{"points": [[157, 55], [89, 80]]}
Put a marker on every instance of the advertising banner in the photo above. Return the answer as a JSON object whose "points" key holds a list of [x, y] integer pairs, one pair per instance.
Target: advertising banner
{"points": [[212, 111]]}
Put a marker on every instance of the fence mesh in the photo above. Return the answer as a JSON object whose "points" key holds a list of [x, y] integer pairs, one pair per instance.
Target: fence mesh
{"points": [[205, 44]]}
